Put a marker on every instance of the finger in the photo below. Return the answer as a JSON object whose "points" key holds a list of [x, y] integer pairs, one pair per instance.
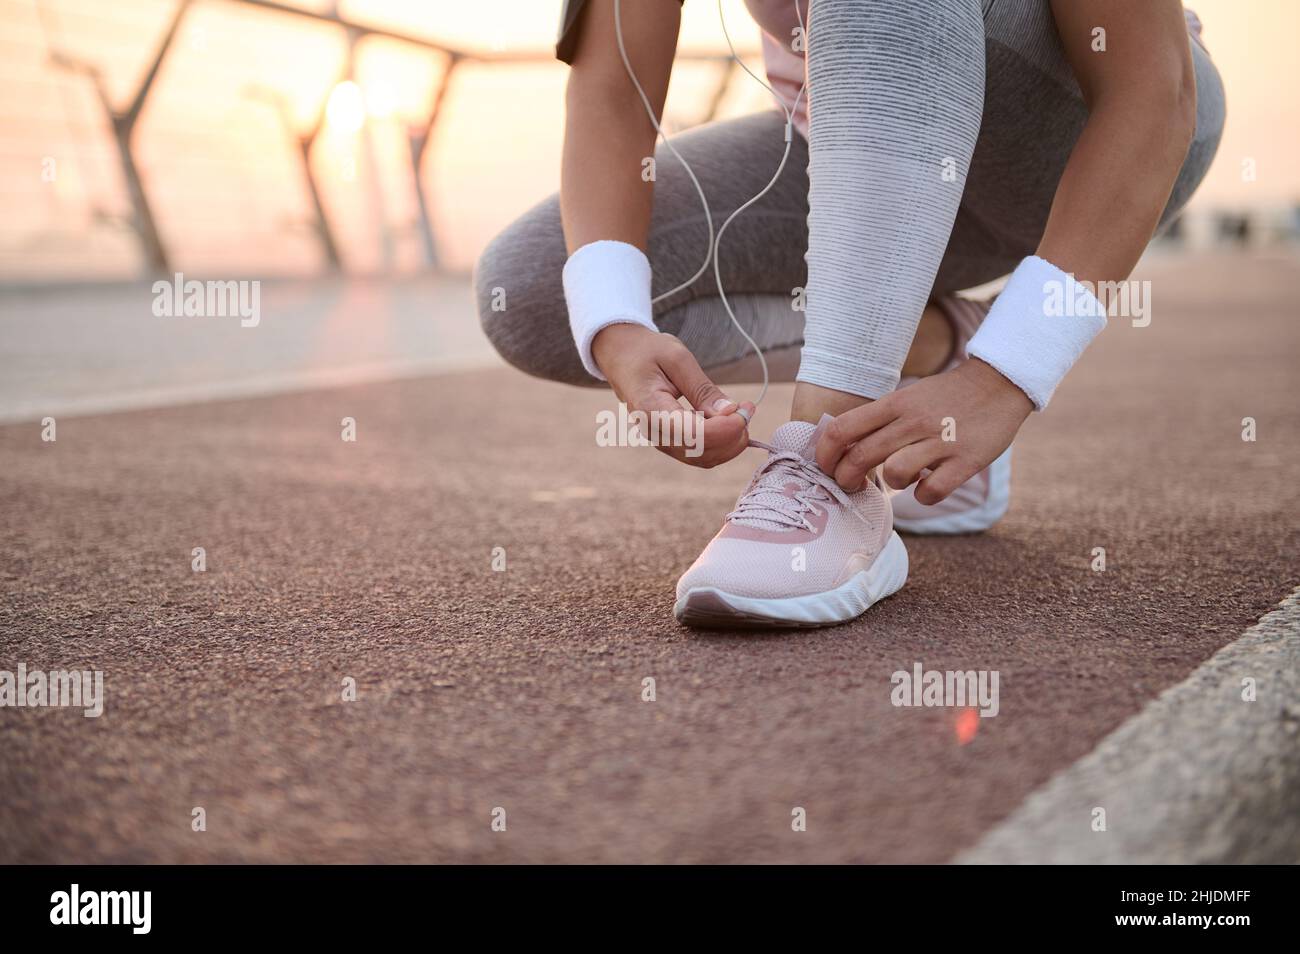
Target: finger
{"points": [[687, 435], [658, 418], [656, 401], [860, 458], [902, 468], [848, 428], [689, 378], [727, 435], [724, 437], [701, 441], [945, 478]]}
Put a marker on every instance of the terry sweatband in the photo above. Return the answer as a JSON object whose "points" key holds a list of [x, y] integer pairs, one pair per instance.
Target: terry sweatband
{"points": [[605, 283], [1037, 328]]}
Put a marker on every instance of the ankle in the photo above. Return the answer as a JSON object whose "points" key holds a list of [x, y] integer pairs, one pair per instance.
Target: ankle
{"points": [[932, 346], [811, 401]]}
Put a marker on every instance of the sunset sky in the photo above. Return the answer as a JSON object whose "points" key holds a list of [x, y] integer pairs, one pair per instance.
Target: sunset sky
{"points": [[217, 141]]}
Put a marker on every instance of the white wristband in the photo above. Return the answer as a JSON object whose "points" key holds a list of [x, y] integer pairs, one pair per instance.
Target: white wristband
{"points": [[1038, 327], [605, 283]]}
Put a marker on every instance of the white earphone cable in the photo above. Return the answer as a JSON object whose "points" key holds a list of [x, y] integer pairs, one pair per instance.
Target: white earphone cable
{"points": [[715, 240], [649, 110]]}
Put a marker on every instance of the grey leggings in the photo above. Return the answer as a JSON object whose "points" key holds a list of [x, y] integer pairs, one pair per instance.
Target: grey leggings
{"points": [[1010, 149]]}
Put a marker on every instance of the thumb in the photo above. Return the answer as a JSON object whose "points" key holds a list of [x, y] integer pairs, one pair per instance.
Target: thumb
{"points": [[705, 396]]}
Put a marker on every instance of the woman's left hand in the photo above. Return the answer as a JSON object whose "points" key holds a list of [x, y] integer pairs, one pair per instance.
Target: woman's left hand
{"points": [[954, 424]]}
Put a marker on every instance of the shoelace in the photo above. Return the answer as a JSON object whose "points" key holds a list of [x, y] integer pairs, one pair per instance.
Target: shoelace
{"points": [[766, 500]]}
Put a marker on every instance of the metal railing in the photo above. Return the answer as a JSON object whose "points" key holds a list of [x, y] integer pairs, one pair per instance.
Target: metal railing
{"points": [[124, 122]]}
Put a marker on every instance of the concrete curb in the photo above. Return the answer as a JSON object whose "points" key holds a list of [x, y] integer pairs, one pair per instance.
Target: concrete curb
{"points": [[1198, 776]]}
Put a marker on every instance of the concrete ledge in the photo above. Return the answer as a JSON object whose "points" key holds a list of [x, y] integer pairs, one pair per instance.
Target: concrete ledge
{"points": [[1199, 776]]}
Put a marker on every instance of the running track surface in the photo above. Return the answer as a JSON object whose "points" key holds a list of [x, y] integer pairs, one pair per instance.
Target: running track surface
{"points": [[522, 689]]}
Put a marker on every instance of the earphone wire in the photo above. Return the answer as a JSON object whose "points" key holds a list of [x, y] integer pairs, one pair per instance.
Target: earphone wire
{"points": [[717, 242], [713, 251], [654, 121]]}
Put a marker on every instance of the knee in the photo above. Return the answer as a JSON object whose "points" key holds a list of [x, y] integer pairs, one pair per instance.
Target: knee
{"points": [[520, 298]]}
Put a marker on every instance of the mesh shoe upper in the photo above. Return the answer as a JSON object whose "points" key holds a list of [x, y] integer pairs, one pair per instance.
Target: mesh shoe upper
{"points": [[793, 531]]}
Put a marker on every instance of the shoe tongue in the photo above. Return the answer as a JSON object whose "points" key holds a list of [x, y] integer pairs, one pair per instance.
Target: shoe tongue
{"points": [[799, 437]]}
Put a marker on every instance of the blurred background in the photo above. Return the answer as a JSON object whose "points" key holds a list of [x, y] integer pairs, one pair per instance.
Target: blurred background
{"points": [[291, 138], [299, 137], [356, 155]]}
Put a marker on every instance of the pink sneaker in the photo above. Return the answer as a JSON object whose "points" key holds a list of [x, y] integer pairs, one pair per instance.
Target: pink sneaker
{"points": [[980, 502], [797, 550]]}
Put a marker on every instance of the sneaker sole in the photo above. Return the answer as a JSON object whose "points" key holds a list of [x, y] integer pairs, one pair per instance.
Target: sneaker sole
{"points": [[969, 521], [707, 607]]}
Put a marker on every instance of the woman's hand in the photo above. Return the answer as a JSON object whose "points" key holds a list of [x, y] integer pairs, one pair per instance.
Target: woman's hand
{"points": [[952, 424], [650, 370]]}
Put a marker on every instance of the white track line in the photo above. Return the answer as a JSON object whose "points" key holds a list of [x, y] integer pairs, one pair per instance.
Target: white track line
{"points": [[1198, 776], [257, 386]]}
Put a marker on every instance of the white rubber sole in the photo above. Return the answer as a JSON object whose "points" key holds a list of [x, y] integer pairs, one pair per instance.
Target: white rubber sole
{"points": [[708, 607], [973, 520]]}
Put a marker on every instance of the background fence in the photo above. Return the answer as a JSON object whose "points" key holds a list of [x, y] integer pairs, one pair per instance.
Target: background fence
{"points": [[268, 137]]}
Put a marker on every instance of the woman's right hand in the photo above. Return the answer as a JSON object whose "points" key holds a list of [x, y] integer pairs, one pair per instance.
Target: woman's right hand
{"points": [[650, 370]]}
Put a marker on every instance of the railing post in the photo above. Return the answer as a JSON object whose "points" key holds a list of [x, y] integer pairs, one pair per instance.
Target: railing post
{"points": [[419, 143]]}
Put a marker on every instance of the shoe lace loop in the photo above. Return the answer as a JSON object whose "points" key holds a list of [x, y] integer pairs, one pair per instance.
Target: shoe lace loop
{"points": [[766, 499]]}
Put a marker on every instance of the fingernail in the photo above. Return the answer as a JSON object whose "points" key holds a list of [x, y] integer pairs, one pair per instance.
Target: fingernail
{"points": [[721, 404]]}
